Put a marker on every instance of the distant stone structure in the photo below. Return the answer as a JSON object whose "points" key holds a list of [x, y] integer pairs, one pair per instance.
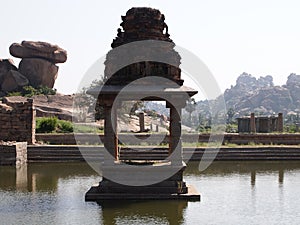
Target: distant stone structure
{"points": [[17, 120], [260, 124]]}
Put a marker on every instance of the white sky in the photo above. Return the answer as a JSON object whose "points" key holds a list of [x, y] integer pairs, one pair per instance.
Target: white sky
{"points": [[260, 37]]}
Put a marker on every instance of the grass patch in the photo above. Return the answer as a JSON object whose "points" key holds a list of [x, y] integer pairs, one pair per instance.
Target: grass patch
{"points": [[79, 128], [54, 125]]}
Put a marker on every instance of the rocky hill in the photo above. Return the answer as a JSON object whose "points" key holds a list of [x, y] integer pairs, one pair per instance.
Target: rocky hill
{"points": [[259, 96]]}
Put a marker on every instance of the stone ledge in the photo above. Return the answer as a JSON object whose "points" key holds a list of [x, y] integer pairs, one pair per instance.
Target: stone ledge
{"points": [[13, 153], [94, 195]]}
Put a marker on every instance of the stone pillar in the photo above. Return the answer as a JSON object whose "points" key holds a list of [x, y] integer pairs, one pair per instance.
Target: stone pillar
{"points": [[269, 125], [280, 122], [110, 131], [142, 121], [175, 144], [252, 123]]}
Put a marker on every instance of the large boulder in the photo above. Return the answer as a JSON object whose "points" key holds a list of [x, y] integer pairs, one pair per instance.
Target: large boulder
{"points": [[38, 49], [5, 66], [39, 72], [12, 81]]}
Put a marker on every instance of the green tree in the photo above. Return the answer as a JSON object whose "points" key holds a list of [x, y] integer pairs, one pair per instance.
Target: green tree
{"points": [[230, 114], [190, 108]]}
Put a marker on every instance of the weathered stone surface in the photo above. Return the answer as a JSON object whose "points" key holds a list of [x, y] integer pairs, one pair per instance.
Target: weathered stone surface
{"points": [[39, 72], [41, 46], [140, 24], [5, 66], [17, 120], [12, 80], [31, 49]]}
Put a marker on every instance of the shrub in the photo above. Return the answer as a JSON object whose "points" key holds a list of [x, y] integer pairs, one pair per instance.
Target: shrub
{"points": [[43, 90], [29, 91], [46, 124], [231, 128], [17, 93], [52, 124], [65, 126]]}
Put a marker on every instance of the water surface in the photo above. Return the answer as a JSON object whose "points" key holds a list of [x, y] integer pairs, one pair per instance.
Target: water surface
{"points": [[231, 193]]}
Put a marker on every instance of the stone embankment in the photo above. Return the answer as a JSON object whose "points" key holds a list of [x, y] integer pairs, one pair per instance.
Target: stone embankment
{"points": [[13, 153], [60, 153], [130, 139]]}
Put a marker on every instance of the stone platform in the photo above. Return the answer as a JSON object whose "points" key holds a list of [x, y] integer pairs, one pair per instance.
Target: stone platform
{"points": [[95, 194], [157, 181]]}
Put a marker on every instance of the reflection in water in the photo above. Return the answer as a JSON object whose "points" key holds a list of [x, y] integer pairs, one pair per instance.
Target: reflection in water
{"points": [[253, 178], [44, 177], [150, 212], [221, 168], [54, 192], [280, 176], [40, 177]]}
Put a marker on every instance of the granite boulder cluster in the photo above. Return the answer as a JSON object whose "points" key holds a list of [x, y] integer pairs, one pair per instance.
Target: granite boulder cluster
{"points": [[37, 66]]}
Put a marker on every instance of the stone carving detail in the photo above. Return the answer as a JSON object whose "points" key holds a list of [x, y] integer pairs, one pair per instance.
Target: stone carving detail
{"points": [[143, 24]]}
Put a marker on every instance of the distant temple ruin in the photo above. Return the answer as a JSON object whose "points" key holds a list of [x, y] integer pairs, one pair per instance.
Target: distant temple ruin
{"points": [[260, 124], [139, 179]]}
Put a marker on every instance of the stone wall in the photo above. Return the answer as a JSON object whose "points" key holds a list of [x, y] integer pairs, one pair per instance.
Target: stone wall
{"points": [[17, 120], [13, 153], [130, 139]]}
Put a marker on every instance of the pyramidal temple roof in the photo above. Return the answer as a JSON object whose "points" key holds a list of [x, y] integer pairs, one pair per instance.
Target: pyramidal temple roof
{"points": [[142, 24]]}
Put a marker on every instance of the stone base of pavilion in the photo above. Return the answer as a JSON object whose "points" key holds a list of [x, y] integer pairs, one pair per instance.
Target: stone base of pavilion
{"points": [[171, 188]]}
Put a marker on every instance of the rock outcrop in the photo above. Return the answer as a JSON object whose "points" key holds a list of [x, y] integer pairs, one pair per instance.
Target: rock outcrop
{"points": [[5, 66], [38, 49], [39, 72], [12, 81], [10, 78], [37, 67]]}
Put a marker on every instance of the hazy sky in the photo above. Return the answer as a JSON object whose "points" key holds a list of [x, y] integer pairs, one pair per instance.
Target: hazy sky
{"points": [[260, 37]]}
